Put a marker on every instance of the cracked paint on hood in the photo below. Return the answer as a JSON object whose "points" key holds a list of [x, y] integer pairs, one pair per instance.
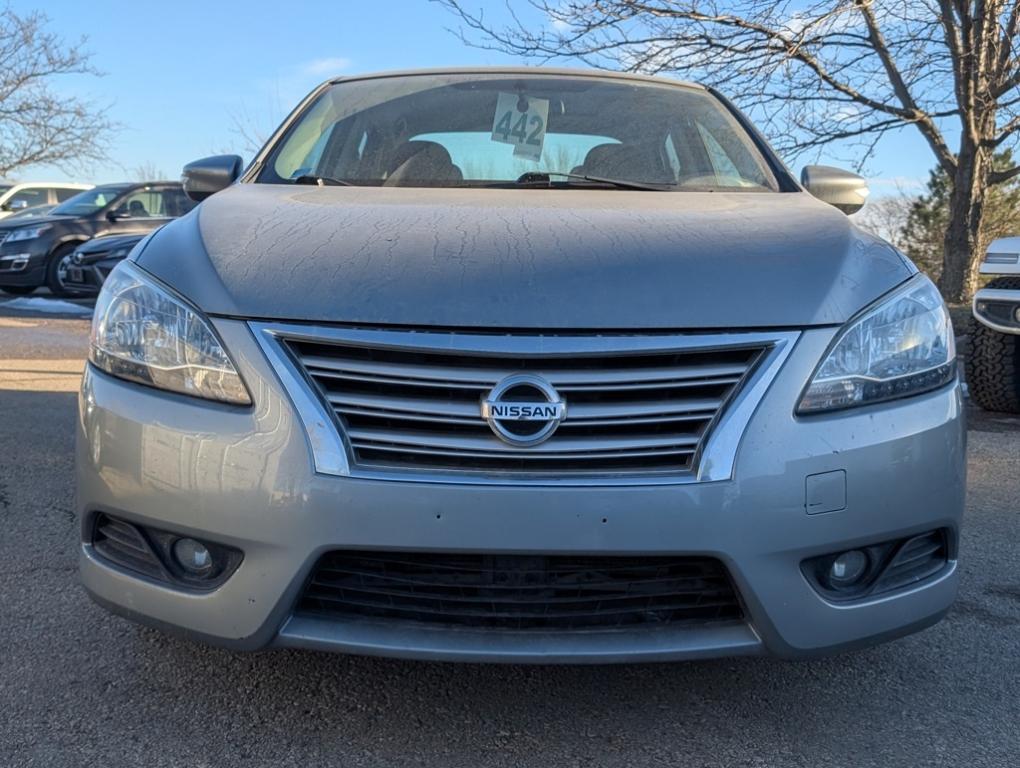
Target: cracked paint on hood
{"points": [[528, 258]]}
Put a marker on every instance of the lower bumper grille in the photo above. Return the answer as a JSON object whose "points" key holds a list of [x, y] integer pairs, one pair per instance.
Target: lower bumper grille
{"points": [[122, 543], [915, 560], [520, 592]]}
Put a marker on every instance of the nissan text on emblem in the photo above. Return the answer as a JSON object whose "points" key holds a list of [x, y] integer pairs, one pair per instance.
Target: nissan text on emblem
{"points": [[523, 410]]}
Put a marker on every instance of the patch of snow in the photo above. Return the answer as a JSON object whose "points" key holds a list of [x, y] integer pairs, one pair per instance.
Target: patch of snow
{"points": [[41, 304]]}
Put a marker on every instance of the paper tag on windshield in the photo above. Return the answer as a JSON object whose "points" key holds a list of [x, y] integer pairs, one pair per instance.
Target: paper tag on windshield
{"points": [[520, 120]]}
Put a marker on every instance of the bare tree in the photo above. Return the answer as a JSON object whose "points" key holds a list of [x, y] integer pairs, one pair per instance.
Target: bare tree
{"points": [[148, 171], [816, 73], [250, 131], [37, 125], [252, 127], [887, 218]]}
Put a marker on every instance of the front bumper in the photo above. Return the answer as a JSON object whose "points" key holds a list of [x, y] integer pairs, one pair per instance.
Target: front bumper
{"points": [[999, 309], [89, 277], [24, 263], [244, 478]]}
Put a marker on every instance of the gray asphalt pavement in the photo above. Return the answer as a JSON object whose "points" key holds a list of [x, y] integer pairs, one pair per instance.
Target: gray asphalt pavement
{"points": [[79, 687]]}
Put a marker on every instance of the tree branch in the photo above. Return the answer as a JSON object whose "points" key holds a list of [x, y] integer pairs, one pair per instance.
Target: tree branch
{"points": [[923, 121], [998, 177]]}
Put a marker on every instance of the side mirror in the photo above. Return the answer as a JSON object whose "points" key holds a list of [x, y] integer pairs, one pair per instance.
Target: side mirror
{"points": [[841, 189], [16, 205], [117, 214], [209, 175]]}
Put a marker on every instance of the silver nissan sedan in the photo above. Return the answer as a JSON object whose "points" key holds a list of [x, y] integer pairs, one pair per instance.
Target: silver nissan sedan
{"points": [[521, 365]]}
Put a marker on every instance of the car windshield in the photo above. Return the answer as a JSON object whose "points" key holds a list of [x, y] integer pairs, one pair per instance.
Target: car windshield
{"points": [[88, 202], [503, 129]]}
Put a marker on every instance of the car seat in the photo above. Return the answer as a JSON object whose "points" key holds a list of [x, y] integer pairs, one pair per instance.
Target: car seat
{"points": [[422, 161], [628, 163]]}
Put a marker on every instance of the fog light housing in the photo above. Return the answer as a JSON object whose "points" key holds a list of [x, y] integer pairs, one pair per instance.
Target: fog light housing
{"points": [[874, 569], [848, 569], [182, 562], [193, 557]]}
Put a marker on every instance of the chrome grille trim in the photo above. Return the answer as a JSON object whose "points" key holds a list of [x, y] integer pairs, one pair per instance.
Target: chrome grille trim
{"points": [[339, 449]]}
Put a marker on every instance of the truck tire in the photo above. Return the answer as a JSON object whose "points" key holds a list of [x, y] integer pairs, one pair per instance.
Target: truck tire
{"points": [[993, 362]]}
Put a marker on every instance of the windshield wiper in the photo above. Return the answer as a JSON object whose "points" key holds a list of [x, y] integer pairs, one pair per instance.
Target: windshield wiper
{"points": [[544, 177], [323, 181]]}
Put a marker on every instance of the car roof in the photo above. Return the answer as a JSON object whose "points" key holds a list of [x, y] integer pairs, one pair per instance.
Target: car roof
{"points": [[534, 71]]}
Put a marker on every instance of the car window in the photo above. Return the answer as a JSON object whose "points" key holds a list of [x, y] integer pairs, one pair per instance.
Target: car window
{"points": [[672, 157], [29, 213], [28, 197], [729, 159], [477, 129], [88, 201], [65, 194], [141, 204], [467, 150], [721, 162], [154, 202], [176, 203]]}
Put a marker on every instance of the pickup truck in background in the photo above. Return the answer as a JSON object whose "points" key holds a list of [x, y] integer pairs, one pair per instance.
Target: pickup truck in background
{"points": [[993, 365]]}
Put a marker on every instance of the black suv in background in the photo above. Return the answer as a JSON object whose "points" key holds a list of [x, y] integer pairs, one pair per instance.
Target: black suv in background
{"points": [[38, 251]]}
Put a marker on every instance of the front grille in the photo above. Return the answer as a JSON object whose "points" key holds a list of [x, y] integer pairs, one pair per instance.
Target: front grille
{"points": [[418, 408], [520, 592]]}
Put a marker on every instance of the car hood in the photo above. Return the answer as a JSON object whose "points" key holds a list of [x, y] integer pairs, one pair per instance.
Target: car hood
{"points": [[35, 221], [528, 258]]}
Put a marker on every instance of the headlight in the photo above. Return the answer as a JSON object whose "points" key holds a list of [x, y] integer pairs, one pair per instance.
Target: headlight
{"points": [[141, 332], [27, 233], [902, 346]]}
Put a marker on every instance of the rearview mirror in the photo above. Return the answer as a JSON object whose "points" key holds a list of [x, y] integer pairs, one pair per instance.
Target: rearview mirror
{"points": [[841, 189], [209, 175]]}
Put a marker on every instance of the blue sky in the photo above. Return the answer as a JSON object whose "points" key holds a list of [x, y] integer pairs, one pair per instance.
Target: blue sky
{"points": [[180, 73]]}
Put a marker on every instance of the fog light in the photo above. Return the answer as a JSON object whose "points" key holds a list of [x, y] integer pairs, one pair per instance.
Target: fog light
{"points": [[848, 569], [193, 556], [1016, 314]]}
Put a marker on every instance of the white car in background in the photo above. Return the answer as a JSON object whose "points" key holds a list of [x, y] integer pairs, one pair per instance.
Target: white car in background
{"points": [[17, 197], [993, 364]]}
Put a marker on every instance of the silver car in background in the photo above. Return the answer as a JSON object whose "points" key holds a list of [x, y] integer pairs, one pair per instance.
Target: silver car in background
{"points": [[521, 365]]}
